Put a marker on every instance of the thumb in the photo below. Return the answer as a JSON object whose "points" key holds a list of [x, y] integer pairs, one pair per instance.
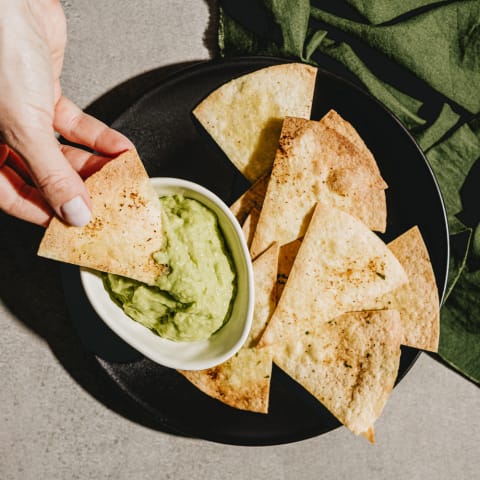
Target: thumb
{"points": [[57, 181]]}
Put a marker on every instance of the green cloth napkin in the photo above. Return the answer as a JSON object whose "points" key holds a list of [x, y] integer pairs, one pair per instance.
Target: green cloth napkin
{"points": [[421, 58]]}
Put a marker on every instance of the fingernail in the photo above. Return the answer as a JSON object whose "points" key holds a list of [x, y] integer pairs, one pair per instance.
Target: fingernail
{"points": [[75, 212]]}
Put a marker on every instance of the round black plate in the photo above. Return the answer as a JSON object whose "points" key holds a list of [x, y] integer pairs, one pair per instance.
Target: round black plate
{"points": [[172, 143]]}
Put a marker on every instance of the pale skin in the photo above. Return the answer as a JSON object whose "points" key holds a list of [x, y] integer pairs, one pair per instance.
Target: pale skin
{"points": [[39, 177]]}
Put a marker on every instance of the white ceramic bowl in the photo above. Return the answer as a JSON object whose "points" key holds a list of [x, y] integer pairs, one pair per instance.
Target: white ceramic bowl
{"points": [[186, 355]]}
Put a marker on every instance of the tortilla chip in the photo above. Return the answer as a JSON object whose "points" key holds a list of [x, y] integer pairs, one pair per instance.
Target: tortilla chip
{"points": [[286, 257], [249, 225], [417, 301], [341, 266], [370, 434], [244, 116], [333, 120], [243, 381], [265, 273], [125, 229], [349, 364], [378, 202], [314, 163], [252, 198]]}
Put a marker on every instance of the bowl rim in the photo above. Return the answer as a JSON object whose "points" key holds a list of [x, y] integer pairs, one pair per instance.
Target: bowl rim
{"points": [[92, 284]]}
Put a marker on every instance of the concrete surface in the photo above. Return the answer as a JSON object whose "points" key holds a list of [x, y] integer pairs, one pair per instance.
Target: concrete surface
{"points": [[51, 427]]}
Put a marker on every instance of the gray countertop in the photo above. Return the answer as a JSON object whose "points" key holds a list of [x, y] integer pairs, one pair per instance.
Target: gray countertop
{"points": [[53, 422]]}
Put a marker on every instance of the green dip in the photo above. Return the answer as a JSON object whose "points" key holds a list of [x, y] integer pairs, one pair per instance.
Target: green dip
{"points": [[193, 300]]}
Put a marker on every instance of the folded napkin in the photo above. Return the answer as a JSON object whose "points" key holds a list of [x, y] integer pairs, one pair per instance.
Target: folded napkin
{"points": [[421, 58]]}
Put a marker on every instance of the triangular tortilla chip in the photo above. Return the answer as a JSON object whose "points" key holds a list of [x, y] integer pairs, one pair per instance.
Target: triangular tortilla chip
{"points": [[341, 266], [314, 163], [252, 198], [334, 121], [417, 301], [349, 364], [370, 434], [265, 273], [286, 258], [243, 381], [125, 229], [244, 116], [249, 225]]}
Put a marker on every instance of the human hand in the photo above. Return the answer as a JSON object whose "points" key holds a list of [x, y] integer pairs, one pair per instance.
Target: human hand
{"points": [[38, 176]]}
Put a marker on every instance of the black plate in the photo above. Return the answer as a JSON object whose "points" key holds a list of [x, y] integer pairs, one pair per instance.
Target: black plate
{"points": [[172, 143]]}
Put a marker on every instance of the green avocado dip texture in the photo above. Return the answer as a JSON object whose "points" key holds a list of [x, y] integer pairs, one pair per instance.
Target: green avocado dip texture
{"points": [[194, 298]]}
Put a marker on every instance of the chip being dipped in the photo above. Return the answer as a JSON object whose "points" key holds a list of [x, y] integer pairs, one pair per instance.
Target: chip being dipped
{"points": [[125, 229]]}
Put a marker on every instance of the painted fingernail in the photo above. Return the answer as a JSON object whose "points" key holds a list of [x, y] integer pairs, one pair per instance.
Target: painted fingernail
{"points": [[75, 212]]}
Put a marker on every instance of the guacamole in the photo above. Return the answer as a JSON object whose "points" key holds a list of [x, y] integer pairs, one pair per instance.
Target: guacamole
{"points": [[193, 299]]}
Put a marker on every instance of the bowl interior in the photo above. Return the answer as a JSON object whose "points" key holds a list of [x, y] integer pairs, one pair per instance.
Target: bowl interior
{"points": [[186, 355]]}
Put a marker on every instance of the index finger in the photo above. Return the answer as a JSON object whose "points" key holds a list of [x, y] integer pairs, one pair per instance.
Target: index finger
{"points": [[79, 127]]}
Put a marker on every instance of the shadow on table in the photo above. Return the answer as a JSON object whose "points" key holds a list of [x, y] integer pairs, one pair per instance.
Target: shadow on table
{"points": [[110, 105]]}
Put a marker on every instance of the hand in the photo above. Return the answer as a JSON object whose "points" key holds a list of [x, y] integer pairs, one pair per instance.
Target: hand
{"points": [[38, 176]]}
